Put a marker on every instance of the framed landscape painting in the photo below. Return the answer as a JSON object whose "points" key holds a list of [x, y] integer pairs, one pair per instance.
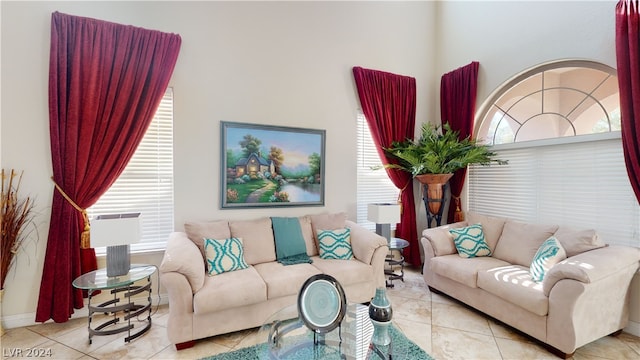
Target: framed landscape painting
{"points": [[271, 166]]}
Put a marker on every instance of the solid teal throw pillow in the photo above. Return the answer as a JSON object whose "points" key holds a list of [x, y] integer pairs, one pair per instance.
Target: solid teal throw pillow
{"points": [[224, 255], [549, 253], [290, 246], [335, 244], [470, 241]]}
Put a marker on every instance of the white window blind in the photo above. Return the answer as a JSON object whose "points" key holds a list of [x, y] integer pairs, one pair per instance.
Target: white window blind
{"points": [[579, 184], [146, 184], [374, 185]]}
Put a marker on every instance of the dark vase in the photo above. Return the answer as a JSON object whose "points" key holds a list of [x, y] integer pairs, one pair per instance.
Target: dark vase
{"points": [[380, 312]]}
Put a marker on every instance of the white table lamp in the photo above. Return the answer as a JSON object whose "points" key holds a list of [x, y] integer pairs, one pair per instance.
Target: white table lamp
{"points": [[116, 232], [384, 214]]}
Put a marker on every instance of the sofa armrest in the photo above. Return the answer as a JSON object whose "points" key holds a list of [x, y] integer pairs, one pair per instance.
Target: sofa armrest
{"points": [[440, 238], [184, 257], [591, 266], [369, 248], [364, 242], [180, 320], [592, 301]]}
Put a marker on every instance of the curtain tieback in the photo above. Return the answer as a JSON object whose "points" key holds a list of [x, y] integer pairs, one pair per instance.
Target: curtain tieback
{"points": [[400, 195], [85, 237], [458, 215]]}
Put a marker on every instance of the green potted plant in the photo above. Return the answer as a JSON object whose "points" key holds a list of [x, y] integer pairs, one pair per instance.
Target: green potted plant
{"points": [[435, 156]]}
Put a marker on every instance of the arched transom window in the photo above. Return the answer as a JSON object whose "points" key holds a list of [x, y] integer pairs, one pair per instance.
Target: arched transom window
{"points": [[559, 99]]}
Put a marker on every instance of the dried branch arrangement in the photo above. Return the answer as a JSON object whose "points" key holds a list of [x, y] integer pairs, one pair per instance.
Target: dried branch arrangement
{"points": [[16, 214]]}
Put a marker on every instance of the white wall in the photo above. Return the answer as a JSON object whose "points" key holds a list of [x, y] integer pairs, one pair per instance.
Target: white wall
{"points": [[271, 63], [507, 37]]}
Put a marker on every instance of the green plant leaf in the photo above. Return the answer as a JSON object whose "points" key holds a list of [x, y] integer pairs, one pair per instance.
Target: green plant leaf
{"points": [[438, 151]]}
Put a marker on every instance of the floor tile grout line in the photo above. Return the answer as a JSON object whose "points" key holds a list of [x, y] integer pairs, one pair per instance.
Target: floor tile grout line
{"points": [[431, 312], [153, 356], [629, 346], [495, 341], [56, 341]]}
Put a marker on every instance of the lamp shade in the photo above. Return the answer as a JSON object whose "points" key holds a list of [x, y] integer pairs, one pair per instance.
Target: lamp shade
{"points": [[116, 232], [115, 229], [383, 213]]}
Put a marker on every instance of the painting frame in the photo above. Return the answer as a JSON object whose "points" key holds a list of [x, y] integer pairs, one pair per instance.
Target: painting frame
{"points": [[265, 166]]}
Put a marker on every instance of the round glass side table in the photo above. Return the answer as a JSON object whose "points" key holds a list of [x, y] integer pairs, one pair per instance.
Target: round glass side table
{"points": [[395, 244], [121, 307]]}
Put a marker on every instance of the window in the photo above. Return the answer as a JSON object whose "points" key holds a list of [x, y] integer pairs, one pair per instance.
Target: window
{"points": [[554, 100], [374, 186], [146, 184], [558, 126]]}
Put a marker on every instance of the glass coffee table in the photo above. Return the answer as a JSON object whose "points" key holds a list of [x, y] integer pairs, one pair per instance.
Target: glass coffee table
{"points": [[288, 338]]}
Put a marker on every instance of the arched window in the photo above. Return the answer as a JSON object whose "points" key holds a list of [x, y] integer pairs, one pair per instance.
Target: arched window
{"points": [[558, 125], [558, 99]]}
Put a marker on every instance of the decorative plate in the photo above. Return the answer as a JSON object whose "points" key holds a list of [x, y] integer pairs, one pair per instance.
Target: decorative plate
{"points": [[322, 303]]}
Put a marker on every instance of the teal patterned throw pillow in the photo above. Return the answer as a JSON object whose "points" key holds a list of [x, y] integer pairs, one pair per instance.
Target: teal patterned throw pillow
{"points": [[470, 241], [224, 255], [335, 244], [549, 253]]}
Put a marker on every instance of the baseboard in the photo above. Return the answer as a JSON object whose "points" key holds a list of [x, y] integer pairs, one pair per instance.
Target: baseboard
{"points": [[633, 328], [22, 320]]}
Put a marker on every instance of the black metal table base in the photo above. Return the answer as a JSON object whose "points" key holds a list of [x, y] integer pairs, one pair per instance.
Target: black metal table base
{"points": [[121, 314], [392, 275]]}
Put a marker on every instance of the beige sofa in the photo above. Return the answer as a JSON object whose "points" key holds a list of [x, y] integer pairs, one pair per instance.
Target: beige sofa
{"points": [[201, 306], [581, 299]]}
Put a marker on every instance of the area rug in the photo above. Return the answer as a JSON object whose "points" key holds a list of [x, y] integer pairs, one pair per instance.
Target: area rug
{"points": [[403, 348]]}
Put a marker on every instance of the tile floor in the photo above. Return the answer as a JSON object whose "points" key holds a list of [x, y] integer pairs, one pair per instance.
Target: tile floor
{"points": [[441, 326]]}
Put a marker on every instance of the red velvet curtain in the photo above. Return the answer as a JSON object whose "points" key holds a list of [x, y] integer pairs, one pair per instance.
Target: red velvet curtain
{"points": [[389, 104], [457, 107], [106, 81], [628, 59]]}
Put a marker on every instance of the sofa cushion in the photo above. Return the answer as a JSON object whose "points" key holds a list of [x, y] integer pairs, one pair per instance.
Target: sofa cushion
{"points": [[257, 236], [198, 231], [346, 272], [284, 280], [229, 290], [491, 226], [470, 241], [549, 254], [514, 284], [576, 242], [328, 222], [224, 255], [307, 234], [519, 241], [463, 270], [335, 244]]}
